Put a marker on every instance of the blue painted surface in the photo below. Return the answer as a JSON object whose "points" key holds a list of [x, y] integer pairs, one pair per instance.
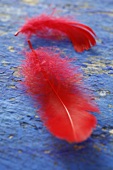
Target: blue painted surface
{"points": [[24, 141]]}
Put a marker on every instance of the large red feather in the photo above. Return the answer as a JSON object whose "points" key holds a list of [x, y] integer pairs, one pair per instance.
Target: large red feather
{"points": [[57, 87], [49, 26]]}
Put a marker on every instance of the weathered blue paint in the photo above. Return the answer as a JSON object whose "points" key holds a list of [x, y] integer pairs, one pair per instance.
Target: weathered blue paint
{"points": [[24, 141]]}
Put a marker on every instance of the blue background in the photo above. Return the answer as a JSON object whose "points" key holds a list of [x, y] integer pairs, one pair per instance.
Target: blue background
{"points": [[24, 141]]}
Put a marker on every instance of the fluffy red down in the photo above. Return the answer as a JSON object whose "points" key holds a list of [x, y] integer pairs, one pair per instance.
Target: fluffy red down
{"points": [[57, 87], [49, 26]]}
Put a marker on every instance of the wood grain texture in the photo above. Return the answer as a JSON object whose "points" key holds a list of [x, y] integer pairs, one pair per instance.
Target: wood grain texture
{"points": [[24, 141]]}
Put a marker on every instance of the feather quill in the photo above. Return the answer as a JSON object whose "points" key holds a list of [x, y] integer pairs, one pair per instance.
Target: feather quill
{"points": [[49, 26], [57, 87]]}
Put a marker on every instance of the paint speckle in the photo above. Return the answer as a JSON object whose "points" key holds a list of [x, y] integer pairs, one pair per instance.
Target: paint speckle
{"points": [[5, 17], [2, 33], [76, 147], [4, 63], [12, 99], [110, 106], [36, 116], [12, 87], [103, 93], [97, 147], [16, 72], [111, 132], [10, 136], [47, 151], [19, 151], [11, 49]]}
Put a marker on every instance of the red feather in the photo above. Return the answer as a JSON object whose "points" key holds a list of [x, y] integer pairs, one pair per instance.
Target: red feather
{"points": [[49, 26], [57, 87]]}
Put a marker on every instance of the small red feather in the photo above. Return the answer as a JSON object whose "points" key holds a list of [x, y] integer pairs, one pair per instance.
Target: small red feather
{"points": [[57, 87], [49, 26]]}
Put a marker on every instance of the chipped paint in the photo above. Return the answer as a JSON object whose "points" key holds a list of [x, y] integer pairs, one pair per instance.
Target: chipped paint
{"points": [[16, 72], [4, 63], [31, 2], [98, 66], [2, 33]]}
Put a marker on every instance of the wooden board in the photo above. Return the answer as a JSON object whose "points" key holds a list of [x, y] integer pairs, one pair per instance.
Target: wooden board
{"points": [[25, 144]]}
